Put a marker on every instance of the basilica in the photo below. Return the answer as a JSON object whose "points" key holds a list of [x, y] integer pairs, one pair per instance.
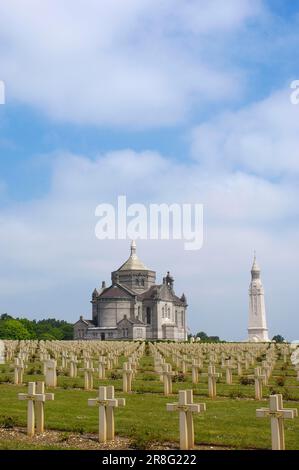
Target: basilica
{"points": [[135, 307]]}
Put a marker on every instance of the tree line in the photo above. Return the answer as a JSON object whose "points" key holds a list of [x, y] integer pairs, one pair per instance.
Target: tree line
{"points": [[22, 328]]}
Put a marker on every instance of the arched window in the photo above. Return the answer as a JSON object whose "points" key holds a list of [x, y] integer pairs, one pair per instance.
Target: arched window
{"points": [[148, 315], [137, 282], [142, 282], [168, 312]]}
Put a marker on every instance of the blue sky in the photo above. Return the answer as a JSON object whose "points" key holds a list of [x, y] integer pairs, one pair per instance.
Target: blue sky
{"points": [[160, 102]]}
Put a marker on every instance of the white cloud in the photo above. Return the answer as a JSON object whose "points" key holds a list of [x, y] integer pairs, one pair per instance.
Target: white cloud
{"points": [[261, 138], [132, 62], [50, 260]]}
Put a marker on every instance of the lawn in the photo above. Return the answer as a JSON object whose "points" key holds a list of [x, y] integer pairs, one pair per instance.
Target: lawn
{"points": [[229, 420]]}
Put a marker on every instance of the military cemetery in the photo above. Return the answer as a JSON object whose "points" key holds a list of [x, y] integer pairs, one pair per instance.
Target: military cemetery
{"points": [[149, 396], [153, 387], [149, 187]]}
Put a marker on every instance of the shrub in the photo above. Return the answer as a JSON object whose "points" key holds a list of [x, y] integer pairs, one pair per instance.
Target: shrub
{"points": [[180, 377], [79, 429], [286, 394], [8, 422], [6, 379], [115, 375], [140, 443], [280, 381], [149, 377], [236, 394], [273, 391], [246, 380]]}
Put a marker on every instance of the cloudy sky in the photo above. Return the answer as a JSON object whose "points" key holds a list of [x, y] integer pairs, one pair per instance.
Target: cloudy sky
{"points": [[173, 101]]}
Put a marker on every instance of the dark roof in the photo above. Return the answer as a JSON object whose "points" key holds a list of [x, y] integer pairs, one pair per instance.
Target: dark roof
{"points": [[161, 292], [116, 292], [136, 321], [87, 322]]}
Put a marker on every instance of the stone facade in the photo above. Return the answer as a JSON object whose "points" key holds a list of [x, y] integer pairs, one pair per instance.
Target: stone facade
{"points": [[135, 307], [257, 327]]}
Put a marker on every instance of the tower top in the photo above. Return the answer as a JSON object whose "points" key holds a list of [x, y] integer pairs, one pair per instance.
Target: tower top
{"points": [[133, 248], [255, 267], [133, 262]]}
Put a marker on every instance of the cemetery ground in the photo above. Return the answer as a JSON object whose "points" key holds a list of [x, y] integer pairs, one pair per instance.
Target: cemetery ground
{"points": [[229, 421]]}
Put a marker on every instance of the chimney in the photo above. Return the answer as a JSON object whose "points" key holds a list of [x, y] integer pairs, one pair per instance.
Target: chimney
{"points": [[103, 285]]}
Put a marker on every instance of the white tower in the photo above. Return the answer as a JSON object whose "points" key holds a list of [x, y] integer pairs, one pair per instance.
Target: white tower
{"points": [[257, 326]]}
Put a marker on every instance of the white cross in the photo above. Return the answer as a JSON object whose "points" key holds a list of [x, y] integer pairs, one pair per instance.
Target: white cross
{"points": [[102, 364], [228, 369], [212, 375], [127, 377], [167, 378], [186, 407], [19, 370], [277, 414], [88, 374], [106, 403], [195, 371], [33, 398], [51, 376], [258, 382]]}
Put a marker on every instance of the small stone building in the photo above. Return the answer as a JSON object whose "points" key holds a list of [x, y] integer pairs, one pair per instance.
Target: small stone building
{"points": [[135, 307]]}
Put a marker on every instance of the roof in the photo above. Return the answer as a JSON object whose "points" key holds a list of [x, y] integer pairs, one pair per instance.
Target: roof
{"points": [[161, 292], [116, 291], [136, 321], [133, 262], [255, 266], [87, 322]]}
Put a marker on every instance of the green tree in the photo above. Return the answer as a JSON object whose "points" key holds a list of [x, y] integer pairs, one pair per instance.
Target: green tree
{"points": [[13, 329], [5, 316], [278, 339], [202, 335], [49, 328]]}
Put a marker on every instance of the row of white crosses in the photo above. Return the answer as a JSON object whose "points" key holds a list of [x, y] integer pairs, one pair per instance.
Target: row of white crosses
{"points": [[239, 356], [165, 371], [106, 402], [186, 407]]}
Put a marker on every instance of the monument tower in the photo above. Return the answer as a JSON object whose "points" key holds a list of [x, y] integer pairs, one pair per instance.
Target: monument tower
{"points": [[257, 326]]}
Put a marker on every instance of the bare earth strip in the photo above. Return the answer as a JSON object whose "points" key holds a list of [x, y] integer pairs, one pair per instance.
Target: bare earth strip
{"points": [[62, 440]]}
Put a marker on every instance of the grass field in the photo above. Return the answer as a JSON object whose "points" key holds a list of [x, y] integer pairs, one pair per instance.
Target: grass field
{"points": [[229, 420]]}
